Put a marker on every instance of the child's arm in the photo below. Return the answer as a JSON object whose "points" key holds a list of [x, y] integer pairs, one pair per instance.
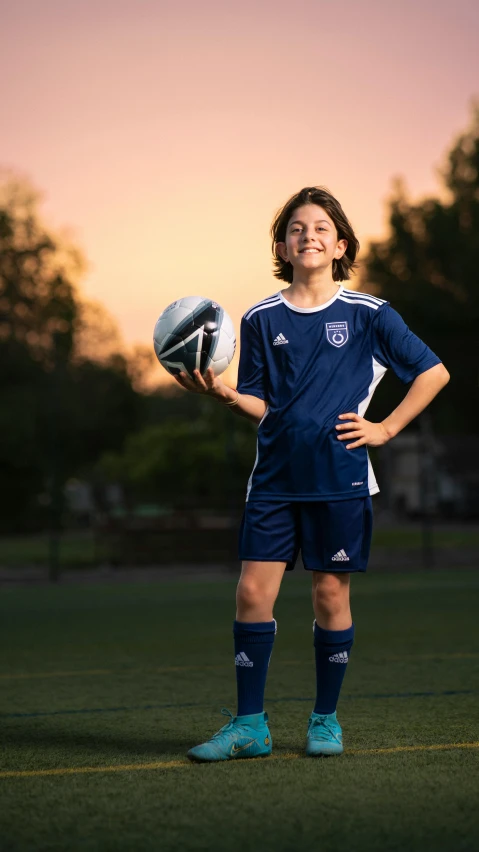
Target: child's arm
{"points": [[422, 391], [251, 407]]}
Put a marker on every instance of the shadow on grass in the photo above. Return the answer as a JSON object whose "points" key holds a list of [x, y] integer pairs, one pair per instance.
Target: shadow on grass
{"points": [[108, 746]]}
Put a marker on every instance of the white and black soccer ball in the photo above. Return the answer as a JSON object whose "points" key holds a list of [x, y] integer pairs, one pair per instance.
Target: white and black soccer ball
{"points": [[194, 333]]}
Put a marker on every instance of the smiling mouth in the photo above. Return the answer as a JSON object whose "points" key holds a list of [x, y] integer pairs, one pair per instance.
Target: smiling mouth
{"points": [[310, 251]]}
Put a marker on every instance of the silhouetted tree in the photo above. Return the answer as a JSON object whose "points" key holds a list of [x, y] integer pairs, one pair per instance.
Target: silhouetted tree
{"points": [[38, 273], [427, 268], [61, 409]]}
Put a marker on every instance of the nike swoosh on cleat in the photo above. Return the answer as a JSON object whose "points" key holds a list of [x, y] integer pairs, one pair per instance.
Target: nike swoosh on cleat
{"points": [[235, 750]]}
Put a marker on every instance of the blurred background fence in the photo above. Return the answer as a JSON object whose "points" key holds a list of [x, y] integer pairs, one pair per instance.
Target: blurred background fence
{"points": [[99, 470], [426, 514]]}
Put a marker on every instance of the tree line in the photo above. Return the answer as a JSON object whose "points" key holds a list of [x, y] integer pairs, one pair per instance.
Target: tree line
{"points": [[73, 404]]}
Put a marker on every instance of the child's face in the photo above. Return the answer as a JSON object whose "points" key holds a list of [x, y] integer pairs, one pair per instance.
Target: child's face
{"points": [[311, 239]]}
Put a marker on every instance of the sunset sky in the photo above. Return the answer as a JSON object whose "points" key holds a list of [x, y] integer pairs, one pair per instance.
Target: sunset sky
{"points": [[166, 134]]}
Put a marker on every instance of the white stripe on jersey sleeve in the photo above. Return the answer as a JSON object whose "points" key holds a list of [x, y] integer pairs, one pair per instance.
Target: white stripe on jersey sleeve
{"points": [[262, 302], [359, 302], [365, 296], [262, 308]]}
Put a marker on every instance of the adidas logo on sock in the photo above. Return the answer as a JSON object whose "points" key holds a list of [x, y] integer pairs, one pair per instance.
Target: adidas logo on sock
{"points": [[340, 556], [242, 660], [279, 339], [342, 657]]}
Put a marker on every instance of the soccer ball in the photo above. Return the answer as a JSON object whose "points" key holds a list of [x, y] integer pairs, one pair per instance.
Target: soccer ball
{"points": [[194, 333]]}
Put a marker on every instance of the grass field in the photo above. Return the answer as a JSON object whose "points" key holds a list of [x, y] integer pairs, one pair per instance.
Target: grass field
{"points": [[104, 688]]}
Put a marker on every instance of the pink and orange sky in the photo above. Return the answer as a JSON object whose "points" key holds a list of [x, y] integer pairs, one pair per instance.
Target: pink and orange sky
{"points": [[166, 134]]}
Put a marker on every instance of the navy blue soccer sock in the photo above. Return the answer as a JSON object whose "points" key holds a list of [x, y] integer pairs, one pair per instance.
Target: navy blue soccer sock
{"points": [[332, 653], [253, 647]]}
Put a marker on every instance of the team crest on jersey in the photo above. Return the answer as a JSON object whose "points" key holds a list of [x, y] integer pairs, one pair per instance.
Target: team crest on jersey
{"points": [[337, 333]]}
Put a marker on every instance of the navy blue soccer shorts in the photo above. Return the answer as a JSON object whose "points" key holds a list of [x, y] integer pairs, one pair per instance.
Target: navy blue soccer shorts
{"points": [[333, 536]]}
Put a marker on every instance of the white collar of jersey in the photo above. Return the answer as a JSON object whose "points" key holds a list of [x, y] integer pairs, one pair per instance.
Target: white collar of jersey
{"points": [[311, 310]]}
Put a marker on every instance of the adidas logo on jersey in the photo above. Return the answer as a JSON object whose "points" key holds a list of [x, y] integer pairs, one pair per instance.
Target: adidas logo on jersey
{"points": [[340, 556], [342, 657], [242, 660], [279, 339]]}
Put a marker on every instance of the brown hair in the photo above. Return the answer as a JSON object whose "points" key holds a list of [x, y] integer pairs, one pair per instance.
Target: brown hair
{"points": [[322, 197]]}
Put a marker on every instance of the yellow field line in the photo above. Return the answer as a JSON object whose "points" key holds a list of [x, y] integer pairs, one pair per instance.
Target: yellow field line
{"points": [[83, 770], [172, 764], [394, 749]]}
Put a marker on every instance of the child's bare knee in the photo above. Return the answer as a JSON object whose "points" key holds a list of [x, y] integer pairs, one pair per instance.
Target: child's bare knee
{"points": [[249, 593], [331, 594], [329, 604]]}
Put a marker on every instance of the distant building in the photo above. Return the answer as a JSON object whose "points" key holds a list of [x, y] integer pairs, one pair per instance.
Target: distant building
{"points": [[430, 475]]}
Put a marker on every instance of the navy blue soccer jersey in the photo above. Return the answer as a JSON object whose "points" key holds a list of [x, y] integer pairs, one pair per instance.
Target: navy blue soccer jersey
{"points": [[310, 365]]}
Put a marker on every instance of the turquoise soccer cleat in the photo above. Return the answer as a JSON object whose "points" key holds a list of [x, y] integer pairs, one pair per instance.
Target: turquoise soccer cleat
{"points": [[325, 736], [242, 736]]}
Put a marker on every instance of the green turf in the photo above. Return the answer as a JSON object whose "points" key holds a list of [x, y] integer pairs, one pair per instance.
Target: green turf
{"points": [[98, 676]]}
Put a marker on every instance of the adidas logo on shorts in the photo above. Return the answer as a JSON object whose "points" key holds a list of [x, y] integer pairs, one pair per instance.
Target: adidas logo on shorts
{"points": [[342, 657], [242, 660], [340, 556]]}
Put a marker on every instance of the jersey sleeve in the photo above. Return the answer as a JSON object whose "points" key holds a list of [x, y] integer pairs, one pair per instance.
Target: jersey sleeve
{"points": [[396, 346], [251, 370]]}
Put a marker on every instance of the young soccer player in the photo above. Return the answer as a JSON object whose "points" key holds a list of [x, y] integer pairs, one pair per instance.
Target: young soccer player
{"points": [[311, 358]]}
